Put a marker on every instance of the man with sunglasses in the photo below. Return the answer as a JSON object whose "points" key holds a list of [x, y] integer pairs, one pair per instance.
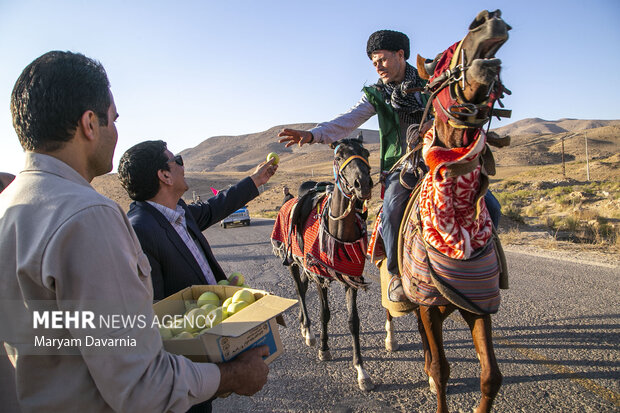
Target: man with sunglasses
{"points": [[169, 230]]}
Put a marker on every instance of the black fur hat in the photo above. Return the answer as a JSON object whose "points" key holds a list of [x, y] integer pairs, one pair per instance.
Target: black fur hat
{"points": [[387, 40]]}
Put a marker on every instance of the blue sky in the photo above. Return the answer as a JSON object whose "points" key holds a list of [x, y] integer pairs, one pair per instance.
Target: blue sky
{"points": [[183, 71]]}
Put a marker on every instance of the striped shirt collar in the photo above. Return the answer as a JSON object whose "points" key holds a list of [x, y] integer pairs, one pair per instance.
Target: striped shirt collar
{"points": [[174, 216]]}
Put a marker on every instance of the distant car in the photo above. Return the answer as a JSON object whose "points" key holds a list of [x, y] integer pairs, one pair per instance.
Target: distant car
{"points": [[240, 216]]}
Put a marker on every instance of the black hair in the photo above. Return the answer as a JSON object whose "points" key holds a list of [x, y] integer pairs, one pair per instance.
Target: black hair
{"points": [[138, 169], [51, 95]]}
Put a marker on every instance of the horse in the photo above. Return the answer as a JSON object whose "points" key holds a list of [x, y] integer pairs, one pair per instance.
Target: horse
{"points": [[322, 237], [449, 256]]}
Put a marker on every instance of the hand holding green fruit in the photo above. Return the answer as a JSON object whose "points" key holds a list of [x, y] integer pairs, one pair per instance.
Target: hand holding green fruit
{"points": [[274, 156]]}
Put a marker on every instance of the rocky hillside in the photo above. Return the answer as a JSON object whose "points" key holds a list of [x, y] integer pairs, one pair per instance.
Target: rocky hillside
{"points": [[242, 153], [528, 172]]}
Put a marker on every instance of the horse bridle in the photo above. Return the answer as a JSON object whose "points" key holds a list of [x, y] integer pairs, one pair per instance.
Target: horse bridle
{"points": [[339, 177], [450, 78]]}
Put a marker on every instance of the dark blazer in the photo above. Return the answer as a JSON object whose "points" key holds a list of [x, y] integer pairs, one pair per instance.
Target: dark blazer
{"points": [[173, 267]]}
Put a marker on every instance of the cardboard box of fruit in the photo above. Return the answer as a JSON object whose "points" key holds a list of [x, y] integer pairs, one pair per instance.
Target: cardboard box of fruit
{"points": [[209, 331]]}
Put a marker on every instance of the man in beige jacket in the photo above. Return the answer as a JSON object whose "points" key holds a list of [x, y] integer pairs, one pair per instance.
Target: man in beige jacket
{"points": [[68, 252]]}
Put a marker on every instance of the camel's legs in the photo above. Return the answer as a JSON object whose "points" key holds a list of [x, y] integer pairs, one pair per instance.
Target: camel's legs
{"points": [[324, 353], [363, 379], [490, 375], [301, 284]]}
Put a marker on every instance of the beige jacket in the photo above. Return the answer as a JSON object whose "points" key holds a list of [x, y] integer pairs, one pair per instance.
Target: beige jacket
{"points": [[63, 246]]}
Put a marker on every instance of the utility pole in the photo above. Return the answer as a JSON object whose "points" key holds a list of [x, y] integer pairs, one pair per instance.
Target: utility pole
{"points": [[563, 166], [587, 158]]}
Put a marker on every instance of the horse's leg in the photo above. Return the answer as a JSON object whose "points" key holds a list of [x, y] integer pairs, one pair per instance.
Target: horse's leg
{"points": [[425, 348], [490, 375], [390, 341], [439, 369], [324, 353], [363, 379], [301, 284]]}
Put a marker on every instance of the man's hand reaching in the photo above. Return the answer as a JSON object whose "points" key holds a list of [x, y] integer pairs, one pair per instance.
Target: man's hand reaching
{"points": [[293, 136], [264, 172]]}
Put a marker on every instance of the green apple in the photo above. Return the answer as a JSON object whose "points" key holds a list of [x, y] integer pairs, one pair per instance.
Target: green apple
{"points": [[215, 317], [208, 307], [184, 334], [189, 304], [236, 278], [196, 319], [165, 332], [223, 282], [227, 302], [273, 155], [208, 297], [177, 327], [243, 295], [236, 307], [224, 312]]}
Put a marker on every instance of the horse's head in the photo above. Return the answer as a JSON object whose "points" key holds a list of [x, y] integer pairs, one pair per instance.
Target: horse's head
{"points": [[464, 80], [351, 168]]}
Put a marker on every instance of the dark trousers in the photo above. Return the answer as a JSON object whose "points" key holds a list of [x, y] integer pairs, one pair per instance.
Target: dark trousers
{"points": [[394, 203], [204, 407]]}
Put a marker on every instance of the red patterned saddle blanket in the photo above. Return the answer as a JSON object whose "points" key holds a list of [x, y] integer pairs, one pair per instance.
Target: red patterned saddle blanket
{"points": [[324, 257]]}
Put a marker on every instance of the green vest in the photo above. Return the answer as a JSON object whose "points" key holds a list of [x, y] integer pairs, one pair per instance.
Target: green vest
{"points": [[389, 128]]}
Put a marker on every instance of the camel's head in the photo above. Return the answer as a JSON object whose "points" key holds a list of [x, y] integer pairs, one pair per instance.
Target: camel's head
{"points": [[351, 168]]}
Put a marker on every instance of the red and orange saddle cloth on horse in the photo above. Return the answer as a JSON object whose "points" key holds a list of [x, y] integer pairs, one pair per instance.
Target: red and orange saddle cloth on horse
{"points": [[324, 257], [449, 254]]}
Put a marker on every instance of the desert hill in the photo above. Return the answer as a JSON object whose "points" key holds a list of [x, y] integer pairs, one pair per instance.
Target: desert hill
{"points": [[242, 153], [537, 126], [223, 160], [534, 143]]}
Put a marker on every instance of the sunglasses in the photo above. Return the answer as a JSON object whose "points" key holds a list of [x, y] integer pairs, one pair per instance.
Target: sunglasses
{"points": [[178, 159]]}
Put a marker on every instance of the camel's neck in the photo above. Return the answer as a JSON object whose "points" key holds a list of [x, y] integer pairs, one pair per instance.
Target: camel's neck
{"points": [[345, 229]]}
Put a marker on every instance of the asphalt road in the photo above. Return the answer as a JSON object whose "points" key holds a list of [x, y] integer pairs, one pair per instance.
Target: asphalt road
{"points": [[557, 339]]}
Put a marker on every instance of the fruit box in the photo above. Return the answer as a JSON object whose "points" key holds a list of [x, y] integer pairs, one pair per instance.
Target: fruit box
{"points": [[253, 326]]}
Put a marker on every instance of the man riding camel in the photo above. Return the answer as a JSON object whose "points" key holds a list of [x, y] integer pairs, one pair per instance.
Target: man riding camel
{"points": [[397, 101]]}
